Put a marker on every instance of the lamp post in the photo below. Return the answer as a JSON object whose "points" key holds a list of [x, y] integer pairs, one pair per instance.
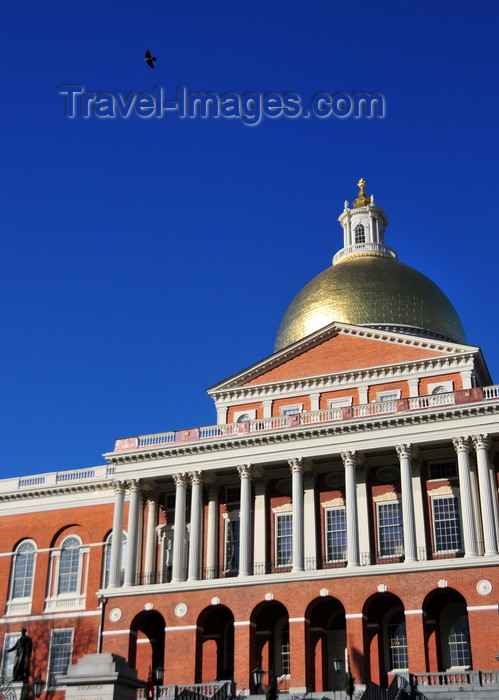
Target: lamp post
{"points": [[257, 675], [38, 686], [158, 678], [336, 664]]}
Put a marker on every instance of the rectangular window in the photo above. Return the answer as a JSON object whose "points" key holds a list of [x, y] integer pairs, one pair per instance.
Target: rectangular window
{"points": [[336, 534], [291, 410], [443, 470], [61, 649], [231, 562], [284, 539], [390, 529], [446, 524], [8, 658], [232, 495]]}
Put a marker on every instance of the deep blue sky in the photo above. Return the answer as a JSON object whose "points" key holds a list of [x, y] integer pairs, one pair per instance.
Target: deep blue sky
{"points": [[144, 260]]}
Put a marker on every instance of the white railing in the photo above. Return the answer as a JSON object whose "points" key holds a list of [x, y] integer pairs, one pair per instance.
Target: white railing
{"points": [[218, 430], [325, 416], [441, 680], [273, 423], [160, 439], [432, 400], [491, 392], [360, 247]]}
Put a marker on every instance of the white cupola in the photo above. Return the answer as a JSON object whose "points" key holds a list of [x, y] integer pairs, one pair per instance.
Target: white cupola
{"points": [[363, 228]]}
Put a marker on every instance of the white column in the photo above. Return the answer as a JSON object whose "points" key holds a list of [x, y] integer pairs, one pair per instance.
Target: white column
{"points": [[349, 462], [404, 453], [151, 539], [419, 510], [133, 533], [245, 520], [116, 542], [179, 528], [462, 447], [310, 524], [212, 533], [482, 443], [196, 520], [260, 528], [296, 466], [314, 401], [363, 516], [267, 408]]}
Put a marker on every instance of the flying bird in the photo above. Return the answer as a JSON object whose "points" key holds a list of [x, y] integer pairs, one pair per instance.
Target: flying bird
{"points": [[149, 59]]}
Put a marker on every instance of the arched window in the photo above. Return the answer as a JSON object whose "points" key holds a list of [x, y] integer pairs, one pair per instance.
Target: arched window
{"points": [[23, 567], [243, 418], [440, 390], [107, 559], [397, 641], [360, 234], [69, 566]]}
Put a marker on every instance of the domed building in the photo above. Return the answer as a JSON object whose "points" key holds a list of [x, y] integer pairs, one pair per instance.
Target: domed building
{"points": [[367, 286], [341, 515]]}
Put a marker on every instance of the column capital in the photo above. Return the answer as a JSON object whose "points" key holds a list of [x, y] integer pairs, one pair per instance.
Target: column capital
{"points": [[180, 479], [296, 464], [134, 484], [245, 471], [462, 443], [349, 457], [482, 441], [119, 487], [196, 477], [406, 450]]}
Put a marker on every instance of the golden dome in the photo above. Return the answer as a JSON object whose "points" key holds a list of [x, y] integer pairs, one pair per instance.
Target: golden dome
{"points": [[374, 291]]}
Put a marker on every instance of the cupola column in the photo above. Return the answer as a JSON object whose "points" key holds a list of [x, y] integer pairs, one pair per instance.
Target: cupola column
{"points": [[151, 538], [296, 466], [405, 452], [117, 541], [133, 533], [179, 528], [196, 520], [482, 444], [212, 532], [462, 447], [350, 462], [245, 519]]}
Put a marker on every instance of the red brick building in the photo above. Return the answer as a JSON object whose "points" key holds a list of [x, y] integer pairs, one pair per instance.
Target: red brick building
{"points": [[343, 507]]}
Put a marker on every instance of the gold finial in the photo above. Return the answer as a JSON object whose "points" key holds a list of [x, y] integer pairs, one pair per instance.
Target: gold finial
{"points": [[362, 199]]}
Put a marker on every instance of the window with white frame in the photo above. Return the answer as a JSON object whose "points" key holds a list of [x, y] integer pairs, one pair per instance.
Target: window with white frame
{"points": [[390, 529], [291, 410], [231, 548], [283, 539], [360, 233], [387, 399], [67, 577], [60, 652], [245, 416], [397, 641], [21, 582], [8, 659], [69, 566], [336, 534], [446, 523], [283, 648], [107, 559], [340, 402]]}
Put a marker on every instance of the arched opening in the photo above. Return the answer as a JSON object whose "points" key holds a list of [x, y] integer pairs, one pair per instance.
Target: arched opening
{"points": [[385, 637], [146, 648], [360, 233], [327, 641], [447, 631], [215, 647], [270, 644]]}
